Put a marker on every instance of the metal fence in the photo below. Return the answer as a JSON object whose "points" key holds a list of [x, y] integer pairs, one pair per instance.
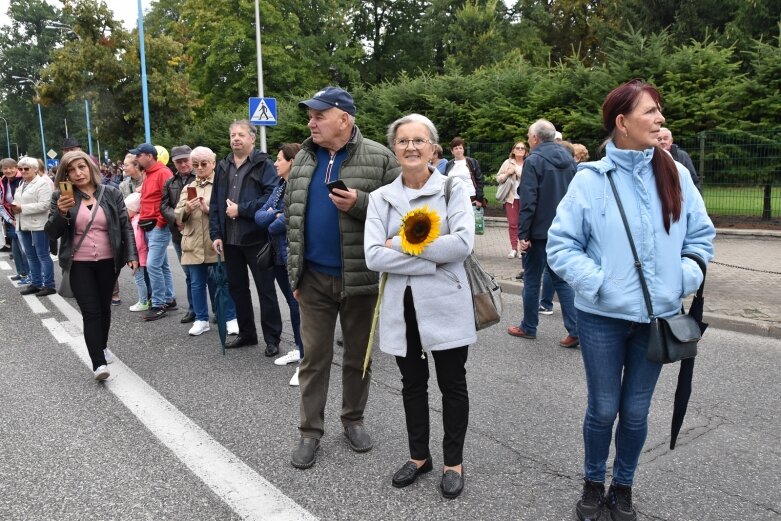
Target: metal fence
{"points": [[740, 172]]}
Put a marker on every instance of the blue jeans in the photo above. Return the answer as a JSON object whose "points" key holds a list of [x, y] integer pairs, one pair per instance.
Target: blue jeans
{"points": [[36, 246], [20, 259], [620, 382], [157, 266], [201, 281], [138, 278], [186, 269], [536, 261], [283, 281], [546, 300]]}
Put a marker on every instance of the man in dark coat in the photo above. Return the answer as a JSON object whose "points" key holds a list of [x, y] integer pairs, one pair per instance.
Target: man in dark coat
{"points": [[242, 183], [547, 172], [679, 154]]}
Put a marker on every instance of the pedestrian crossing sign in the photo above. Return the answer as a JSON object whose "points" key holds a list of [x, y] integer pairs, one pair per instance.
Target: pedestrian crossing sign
{"points": [[263, 111]]}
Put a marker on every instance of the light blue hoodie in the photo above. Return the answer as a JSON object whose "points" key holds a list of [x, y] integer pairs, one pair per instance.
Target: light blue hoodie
{"points": [[588, 246]]}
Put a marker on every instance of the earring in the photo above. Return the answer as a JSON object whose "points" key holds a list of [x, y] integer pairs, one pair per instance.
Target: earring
{"points": [[626, 134]]}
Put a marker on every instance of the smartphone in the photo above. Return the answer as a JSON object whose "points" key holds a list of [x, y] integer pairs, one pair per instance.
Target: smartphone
{"points": [[336, 184], [66, 188], [191, 193]]}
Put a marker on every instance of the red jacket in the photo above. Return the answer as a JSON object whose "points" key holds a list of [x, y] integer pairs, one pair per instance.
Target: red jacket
{"points": [[152, 192]]}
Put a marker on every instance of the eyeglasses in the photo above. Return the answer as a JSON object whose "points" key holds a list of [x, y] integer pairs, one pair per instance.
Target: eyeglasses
{"points": [[520, 148], [417, 142], [202, 164], [24, 168]]}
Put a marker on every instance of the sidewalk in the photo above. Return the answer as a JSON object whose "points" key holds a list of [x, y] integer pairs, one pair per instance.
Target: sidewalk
{"points": [[741, 291]]}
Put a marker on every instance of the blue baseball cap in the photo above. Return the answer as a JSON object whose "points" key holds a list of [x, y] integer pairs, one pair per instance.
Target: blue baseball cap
{"points": [[329, 98], [144, 148]]}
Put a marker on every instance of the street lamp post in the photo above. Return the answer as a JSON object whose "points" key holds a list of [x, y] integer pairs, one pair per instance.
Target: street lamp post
{"points": [[62, 27], [260, 70], [35, 84], [7, 137], [89, 131], [144, 94]]}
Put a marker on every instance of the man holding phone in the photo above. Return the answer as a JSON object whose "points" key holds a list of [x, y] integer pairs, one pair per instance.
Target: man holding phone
{"points": [[172, 189], [325, 204]]}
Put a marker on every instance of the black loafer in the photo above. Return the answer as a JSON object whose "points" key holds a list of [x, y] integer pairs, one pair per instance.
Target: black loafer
{"points": [[305, 453], [241, 341], [409, 472], [271, 350], [452, 484], [358, 438], [31, 290], [187, 318]]}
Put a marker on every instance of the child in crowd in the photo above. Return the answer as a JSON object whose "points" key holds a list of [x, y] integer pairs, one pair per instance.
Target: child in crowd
{"points": [[133, 204]]}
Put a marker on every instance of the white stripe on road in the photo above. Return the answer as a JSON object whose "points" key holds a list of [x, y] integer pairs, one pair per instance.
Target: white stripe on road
{"points": [[4, 265], [35, 304], [245, 491]]}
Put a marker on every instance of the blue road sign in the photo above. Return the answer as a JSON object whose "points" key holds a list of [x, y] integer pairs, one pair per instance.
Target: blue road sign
{"points": [[52, 163], [263, 111]]}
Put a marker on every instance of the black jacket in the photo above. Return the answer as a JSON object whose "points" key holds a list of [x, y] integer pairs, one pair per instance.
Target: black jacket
{"points": [[120, 232], [683, 158], [258, 184], [547, 173], [172, 190]]}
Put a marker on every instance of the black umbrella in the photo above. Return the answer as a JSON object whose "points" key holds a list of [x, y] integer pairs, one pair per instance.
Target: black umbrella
{"points": [[684, 389], [221, 297]]}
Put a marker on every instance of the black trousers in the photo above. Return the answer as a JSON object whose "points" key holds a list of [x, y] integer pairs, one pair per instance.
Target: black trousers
{"points": [[451, 377], [237, 260], [92, 284]]}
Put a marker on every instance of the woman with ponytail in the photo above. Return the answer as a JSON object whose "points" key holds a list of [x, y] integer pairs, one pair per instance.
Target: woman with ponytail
{"points": [[588, 247]]}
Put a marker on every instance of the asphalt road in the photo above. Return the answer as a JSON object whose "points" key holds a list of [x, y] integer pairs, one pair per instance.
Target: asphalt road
{"points": [[72, 449]]}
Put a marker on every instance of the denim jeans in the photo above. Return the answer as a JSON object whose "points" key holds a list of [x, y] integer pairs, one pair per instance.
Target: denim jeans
{"points": [[283, 281], [536, 261], [186, 270], [20, 259], [138, 278], [36, 246], [546, 300], [201, 281], [157, 266], [620, 382]]}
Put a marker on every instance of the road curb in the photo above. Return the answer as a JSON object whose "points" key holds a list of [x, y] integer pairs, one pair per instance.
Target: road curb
{"points": [[727, 322]]}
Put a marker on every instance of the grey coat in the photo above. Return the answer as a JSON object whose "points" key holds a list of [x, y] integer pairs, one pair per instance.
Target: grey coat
{"points": [[440, 290]]}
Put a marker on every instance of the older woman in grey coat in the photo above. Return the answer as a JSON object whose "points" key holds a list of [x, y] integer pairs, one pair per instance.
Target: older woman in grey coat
{"points": [[426, 305]]}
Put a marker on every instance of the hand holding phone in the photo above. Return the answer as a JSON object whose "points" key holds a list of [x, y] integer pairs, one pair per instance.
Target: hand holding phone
{"points": [[336, 184]]}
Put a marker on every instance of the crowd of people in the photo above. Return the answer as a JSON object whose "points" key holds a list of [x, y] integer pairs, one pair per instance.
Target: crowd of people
{"points": [[342, 216]]}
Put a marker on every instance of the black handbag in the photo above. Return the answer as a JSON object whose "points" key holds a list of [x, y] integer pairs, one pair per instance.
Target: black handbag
{"points": [[265, 257], [673, 338]]}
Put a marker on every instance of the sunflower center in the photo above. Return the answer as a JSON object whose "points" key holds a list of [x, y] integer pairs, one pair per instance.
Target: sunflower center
{"points": [[417, 229]]}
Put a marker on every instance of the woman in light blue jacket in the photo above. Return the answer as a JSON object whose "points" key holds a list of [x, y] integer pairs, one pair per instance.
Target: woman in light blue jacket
{"points": [[588, 247], [426, 304]]}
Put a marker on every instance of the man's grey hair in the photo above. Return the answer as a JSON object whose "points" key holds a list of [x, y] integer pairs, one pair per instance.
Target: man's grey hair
{"points": [[244, 123], [543, 129], [433, 135]]}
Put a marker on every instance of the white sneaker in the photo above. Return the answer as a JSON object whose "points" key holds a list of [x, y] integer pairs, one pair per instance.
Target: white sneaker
{"points": [[545, 311], [512, 254], [294, 380], [101, 373], [289, 358], [232, 326], [108, 355], [199, 327], [139, 306]]}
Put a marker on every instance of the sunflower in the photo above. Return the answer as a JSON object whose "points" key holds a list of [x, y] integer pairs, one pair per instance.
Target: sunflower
{"points": [[419, 228]]}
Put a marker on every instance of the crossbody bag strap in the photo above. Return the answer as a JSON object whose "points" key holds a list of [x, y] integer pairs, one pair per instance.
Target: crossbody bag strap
{"points": [[638, 264], [91, 218]]}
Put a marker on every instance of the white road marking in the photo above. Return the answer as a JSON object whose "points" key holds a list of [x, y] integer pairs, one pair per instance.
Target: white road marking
{"points": [[4, 265], [245, 491], [35, 304]]}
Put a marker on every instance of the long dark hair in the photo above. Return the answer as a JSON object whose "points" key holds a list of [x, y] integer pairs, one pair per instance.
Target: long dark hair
{"points": [[622, 100]]}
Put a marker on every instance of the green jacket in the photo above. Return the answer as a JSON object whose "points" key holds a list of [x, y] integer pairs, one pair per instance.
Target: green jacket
{"points": [[368, 166]]}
